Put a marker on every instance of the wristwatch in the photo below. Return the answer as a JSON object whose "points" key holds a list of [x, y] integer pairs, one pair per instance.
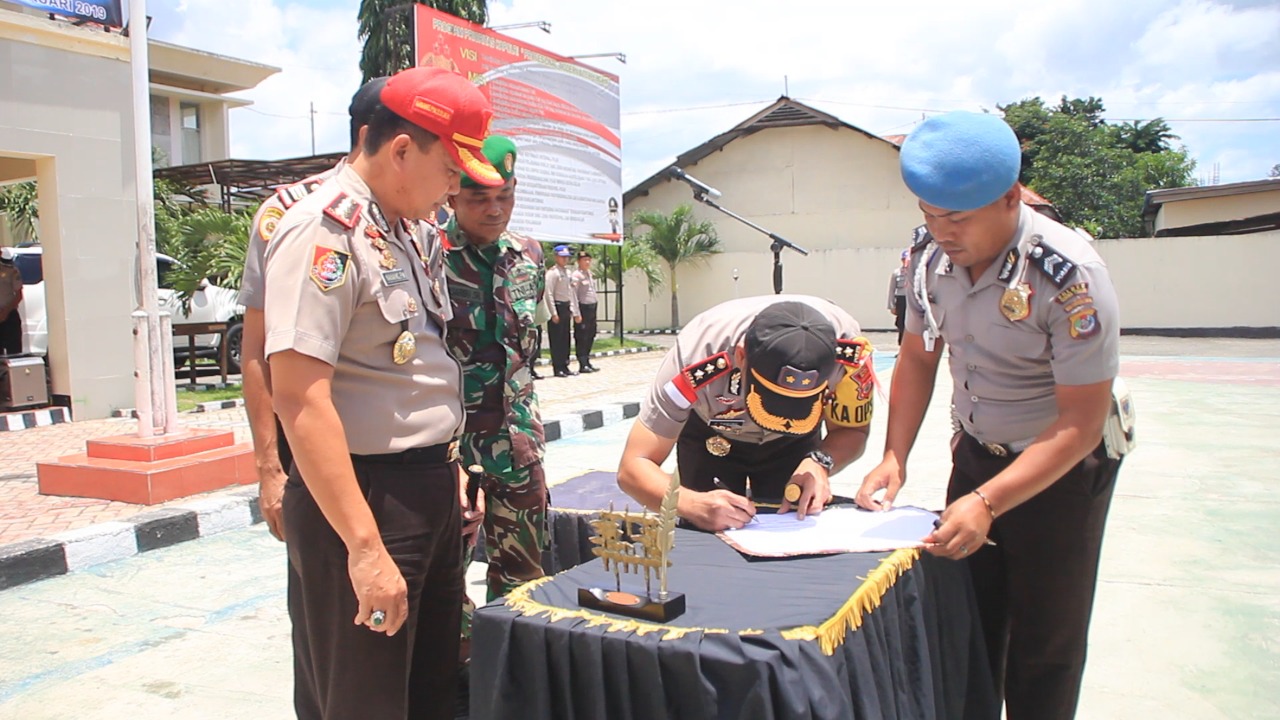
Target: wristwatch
{"points": [[826, 461]]}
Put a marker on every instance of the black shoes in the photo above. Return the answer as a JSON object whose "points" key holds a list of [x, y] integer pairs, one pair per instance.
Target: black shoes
{"points": [[588, 368], [534, 374]]}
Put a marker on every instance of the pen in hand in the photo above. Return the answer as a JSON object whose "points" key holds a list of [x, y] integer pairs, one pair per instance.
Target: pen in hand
{"points": [[721, 486], [985, 541]]}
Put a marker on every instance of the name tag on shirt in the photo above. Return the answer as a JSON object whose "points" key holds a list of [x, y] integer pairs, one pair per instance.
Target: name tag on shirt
{"points": [[396, 276]]}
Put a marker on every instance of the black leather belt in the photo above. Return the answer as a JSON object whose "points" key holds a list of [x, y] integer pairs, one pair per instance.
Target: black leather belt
{"points": [[442, 453], [999, 449]]}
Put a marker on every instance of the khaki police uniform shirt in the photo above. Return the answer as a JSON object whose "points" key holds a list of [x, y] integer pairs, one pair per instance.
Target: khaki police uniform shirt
{"points": [[562, 287], [263, 228], [722, 403], [1005, 371], [586, 288], [329, 298]]}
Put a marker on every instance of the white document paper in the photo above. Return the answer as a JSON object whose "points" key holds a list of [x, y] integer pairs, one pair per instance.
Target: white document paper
{"points": [[835, 530]]}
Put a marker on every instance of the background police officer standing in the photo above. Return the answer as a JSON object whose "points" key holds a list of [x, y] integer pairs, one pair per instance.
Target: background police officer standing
{"points": [[584, 330], [270, 448], [1031, 319], [562, 296], [495, 285], [371, 401]]}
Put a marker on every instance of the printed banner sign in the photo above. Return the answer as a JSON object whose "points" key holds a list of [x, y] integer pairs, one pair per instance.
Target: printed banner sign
{"points": [[104, 12], [564, 116]]}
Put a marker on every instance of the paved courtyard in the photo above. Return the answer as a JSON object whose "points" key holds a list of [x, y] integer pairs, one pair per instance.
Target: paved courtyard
{"points": [[1187, 615]]}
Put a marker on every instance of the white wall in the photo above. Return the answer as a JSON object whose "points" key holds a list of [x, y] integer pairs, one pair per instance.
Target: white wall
{"points": [[71, 112], [1196, 211], [1163, 283], [820, 188], [1196, 282]]}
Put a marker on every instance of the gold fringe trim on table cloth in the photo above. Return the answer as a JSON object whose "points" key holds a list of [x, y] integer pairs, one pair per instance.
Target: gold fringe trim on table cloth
{"points": [[520, 601], [832, 632]]}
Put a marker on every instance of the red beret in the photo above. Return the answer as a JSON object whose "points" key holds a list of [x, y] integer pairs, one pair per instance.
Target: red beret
{"points": [[448, 105]]}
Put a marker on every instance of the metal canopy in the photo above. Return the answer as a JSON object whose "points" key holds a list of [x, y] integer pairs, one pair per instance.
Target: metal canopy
{"points": [[248, 179]]}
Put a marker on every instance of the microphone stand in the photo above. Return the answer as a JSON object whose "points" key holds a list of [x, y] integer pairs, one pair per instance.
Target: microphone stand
{"points": [[776, 246]]}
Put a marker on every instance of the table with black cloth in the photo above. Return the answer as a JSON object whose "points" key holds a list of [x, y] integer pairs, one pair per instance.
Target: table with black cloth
{"points": [[853, 635]]}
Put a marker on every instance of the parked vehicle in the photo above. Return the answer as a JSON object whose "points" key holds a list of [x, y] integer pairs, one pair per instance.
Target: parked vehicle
{"points": [[210, 304]]}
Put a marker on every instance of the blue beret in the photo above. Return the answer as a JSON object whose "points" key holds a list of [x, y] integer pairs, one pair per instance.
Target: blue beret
{"points": [[961, 160], [564, 251]]}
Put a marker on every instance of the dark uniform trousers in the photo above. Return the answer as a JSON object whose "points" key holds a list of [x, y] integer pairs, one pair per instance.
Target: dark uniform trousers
{"points": [[1035, 588], [769, 465], [344, 671], [11, 334], [283, 451], [584, 334], [559, 332], [900, 316]]}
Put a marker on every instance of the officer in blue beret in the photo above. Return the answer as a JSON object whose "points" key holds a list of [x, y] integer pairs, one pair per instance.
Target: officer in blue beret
{"points": [[1031, 318]]}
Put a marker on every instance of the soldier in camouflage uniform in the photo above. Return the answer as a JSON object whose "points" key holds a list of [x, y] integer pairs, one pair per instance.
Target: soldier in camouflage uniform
{"points": [[495, 285]]}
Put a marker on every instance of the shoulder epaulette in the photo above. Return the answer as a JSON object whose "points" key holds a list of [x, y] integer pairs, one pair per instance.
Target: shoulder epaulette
{"points": [[1056, 266], [291, 194], [345, 211], [852, 351], [920, 239], [683, 388]]}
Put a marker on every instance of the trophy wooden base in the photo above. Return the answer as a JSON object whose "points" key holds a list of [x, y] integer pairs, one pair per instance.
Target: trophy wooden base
{"points": [[632, 605]]}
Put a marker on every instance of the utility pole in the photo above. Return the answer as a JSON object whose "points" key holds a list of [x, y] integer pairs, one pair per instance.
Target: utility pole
{"points": [[312, 115]]}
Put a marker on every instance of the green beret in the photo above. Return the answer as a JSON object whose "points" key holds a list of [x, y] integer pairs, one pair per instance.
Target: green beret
{"points": [[500, 151]]}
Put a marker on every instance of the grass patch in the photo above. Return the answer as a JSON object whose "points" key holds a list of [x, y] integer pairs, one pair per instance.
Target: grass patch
{"points": [[602, 345], [612, 343], [188, 399]]}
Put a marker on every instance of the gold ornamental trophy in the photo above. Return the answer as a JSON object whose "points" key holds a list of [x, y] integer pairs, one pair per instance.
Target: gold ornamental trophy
{"points": [[642, 543]]}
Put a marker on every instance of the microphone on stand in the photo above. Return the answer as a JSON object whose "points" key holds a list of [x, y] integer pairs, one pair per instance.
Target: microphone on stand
{"points": [[696, 184]]}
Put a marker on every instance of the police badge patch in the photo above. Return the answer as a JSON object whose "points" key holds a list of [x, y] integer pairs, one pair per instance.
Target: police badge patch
{"points": [[269, 221], [1084, 323], [328, 267]]}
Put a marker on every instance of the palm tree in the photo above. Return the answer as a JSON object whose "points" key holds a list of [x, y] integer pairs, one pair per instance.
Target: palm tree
{"points": [[208, 244], [19, 202], [386, 28], [677, 239], [1149, 137], [639, 257]]}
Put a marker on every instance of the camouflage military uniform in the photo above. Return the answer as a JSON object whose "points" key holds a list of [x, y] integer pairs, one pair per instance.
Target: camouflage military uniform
{"points": [[495, 290]]}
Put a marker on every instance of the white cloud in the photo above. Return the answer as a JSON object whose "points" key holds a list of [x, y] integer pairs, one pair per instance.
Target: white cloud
{"points": [[857, 60]]}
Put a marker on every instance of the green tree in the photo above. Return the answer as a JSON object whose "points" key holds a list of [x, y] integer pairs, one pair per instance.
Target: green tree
{"points": [[20, 204], [677, 239], [640, 257], [209, 245], [1152, 136], [1275, 170], [386, 29], [1095, 174]]}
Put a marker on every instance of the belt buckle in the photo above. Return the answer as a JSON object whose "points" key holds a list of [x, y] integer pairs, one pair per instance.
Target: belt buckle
{"points": [[996, 449]]}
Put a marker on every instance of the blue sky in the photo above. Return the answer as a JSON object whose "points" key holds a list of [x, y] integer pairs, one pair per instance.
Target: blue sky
{"points": [[695, 69]]}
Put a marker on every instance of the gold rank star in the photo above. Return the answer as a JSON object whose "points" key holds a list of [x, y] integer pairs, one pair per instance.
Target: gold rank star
{"points": [[791, 379]]}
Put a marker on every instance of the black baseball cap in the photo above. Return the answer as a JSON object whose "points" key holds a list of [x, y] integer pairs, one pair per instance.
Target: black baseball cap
{"points": [[791, 355], [363, 104]]}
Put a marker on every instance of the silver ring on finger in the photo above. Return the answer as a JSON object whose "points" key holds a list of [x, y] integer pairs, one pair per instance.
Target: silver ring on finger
{"points": [[377, 618], [964, 550]]}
